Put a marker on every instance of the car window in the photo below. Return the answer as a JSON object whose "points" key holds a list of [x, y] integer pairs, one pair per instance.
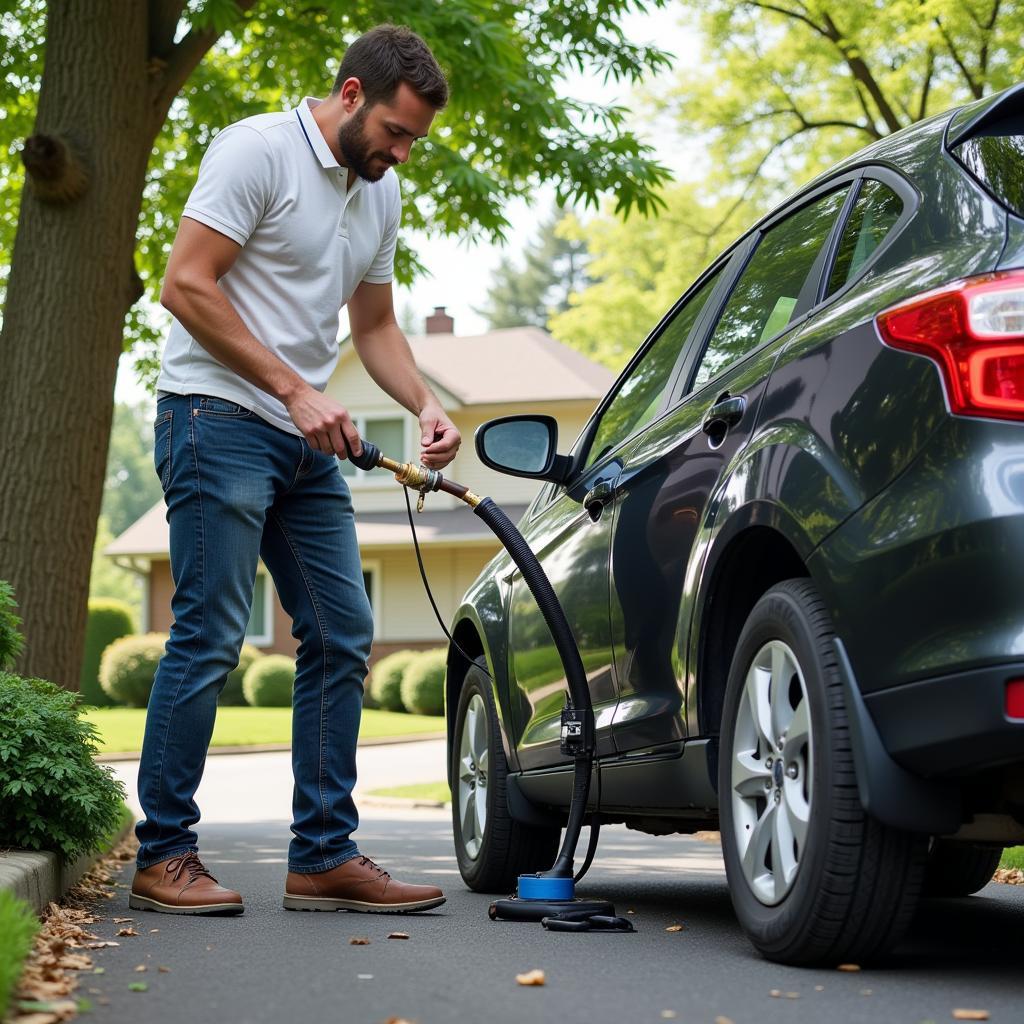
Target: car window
{"points": [[764, 298], [995, 156], [873, 216], [640, 395]]}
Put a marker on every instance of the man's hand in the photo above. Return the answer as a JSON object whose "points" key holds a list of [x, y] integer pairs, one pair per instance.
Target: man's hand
{"points": [[439, 439], [325, 424]]}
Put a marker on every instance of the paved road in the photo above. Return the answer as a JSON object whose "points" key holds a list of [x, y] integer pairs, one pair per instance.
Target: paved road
{"points": [[271, 965]]}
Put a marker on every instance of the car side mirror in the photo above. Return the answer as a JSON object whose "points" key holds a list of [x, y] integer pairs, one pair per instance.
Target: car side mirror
{"points": [[522, 446]]}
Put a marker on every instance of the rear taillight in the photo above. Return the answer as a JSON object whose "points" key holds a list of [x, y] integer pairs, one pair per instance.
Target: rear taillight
{"points": [[974, 331], [1015, 698]]}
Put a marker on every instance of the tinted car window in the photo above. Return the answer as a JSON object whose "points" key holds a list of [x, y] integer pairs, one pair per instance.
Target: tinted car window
{"points": [[763, 301], [996, 159], [640, 395], [873, 216]]}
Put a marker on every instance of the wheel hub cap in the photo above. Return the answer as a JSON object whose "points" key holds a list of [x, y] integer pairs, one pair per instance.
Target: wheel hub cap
{"points": [[472, 780], [771, 793]]}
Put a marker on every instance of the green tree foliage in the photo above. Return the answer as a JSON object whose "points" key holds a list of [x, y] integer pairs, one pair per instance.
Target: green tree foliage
{"points": [[783, 91], [554, 266], [53, 796], [109, 580], [131, 486], [506, 129], [11, 640], [639, 268]]}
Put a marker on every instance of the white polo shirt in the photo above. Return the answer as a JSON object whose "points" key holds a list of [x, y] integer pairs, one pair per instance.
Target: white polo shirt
{"points": [[271, 183]]}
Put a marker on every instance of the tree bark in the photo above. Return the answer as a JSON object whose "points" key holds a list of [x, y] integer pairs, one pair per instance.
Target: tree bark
{"points": [[72, 281]]}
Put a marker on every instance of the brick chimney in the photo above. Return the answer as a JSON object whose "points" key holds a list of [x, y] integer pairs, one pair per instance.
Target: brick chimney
{"points": [[439, 322]]}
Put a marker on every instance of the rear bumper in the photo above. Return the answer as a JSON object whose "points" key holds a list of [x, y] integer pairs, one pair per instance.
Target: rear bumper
{"points": [[950, 725]]}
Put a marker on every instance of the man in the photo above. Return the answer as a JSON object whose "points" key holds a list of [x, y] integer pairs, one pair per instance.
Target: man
{"points": [[293, 215]]}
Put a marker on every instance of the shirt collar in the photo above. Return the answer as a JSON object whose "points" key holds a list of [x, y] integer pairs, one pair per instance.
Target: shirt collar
{"points": [[315, 137]]}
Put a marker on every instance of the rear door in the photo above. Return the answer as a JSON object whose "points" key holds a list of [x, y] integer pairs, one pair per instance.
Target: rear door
{"points": [[669, 473]]}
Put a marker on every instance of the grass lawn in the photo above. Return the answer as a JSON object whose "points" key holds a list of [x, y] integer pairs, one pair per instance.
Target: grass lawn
{"points": [[418, 791], [1013, 857], [120, 729]]}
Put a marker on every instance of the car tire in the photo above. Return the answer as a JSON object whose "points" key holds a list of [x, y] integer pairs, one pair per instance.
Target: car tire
{"points": [[960, 869], [492, 848], [813, 879]]}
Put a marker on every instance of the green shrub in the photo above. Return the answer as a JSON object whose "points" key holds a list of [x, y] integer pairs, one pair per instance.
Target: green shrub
{"points": [[423, 683], [109, 619], [53, 796], [269, 682], [18, 926], [11, 641], [386, 679], [128, 666], [232, 694]]}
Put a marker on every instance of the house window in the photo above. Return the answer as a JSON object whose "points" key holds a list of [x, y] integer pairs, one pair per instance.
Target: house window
{"points": [[387, 432], [260, 630]]}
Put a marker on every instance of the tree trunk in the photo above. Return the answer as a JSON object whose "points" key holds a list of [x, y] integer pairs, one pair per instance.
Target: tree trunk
{"points": [[72, 281]]}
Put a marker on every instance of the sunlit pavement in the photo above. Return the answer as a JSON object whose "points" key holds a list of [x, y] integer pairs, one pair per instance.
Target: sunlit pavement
{"points": [[273, 965]]}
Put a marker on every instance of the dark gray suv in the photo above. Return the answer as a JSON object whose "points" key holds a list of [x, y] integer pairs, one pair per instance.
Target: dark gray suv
{"points": [[790, 543]]}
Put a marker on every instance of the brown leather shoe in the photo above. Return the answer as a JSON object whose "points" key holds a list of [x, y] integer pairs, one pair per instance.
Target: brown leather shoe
{"points": [[360, 885], [182, 885]]}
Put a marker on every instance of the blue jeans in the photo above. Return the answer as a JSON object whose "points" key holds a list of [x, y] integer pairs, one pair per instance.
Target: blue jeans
{"points": [[238, 490]]}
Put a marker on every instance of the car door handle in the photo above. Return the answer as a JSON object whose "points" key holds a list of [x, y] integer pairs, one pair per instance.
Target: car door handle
{"points": [[601, 494], [725, 413]]}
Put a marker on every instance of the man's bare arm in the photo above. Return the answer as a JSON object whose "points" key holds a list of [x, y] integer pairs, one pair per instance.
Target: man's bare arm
{"points": [[199, 258], [384, 351]]}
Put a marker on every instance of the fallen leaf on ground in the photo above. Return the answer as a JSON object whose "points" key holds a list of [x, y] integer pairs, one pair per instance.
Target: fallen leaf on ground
{"points": [[668, 1014], [152, 930], [75, 962], [630, 911], [138, 986], [848, 967], [970, 1015], [819, 988], [122, 920], [1009, 876], [791, 995], [775, 993], [674, 928], [398, 935], [398, 1020], [358, 942], [130, 931], [866, 991], [535, 977], [708, 837], [141, 968], [100, 945], [723, 1020], [39, 1018], [164, 970], [365, 977]]}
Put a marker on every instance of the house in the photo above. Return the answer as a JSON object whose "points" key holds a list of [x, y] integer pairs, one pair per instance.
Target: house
{"points": [[503, 372]]}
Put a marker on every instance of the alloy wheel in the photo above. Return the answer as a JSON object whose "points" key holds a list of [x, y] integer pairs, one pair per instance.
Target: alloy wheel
{"points": [[772, 775], [472, 776]]}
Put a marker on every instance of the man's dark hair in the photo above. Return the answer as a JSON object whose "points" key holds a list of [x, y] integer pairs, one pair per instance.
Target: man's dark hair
{"points": [[388, 55]]}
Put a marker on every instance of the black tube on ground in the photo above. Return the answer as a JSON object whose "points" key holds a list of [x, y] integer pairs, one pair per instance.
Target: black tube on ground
{"points": [[533, 575]]}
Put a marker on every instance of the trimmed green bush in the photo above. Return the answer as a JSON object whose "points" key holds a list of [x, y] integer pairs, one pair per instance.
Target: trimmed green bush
{"points": [[269, 682], [18, 926], [109, 620], [423, 683], [53, 795], [386, 679], [11, 641], [128, 666], [232, 694]]}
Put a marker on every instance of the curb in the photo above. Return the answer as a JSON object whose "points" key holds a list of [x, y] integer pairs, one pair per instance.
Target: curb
{"points": [[268, 748], [39, 878]]}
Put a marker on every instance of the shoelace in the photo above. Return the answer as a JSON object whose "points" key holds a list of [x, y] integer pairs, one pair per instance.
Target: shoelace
{"points": [[191, 863], [381, 873]]}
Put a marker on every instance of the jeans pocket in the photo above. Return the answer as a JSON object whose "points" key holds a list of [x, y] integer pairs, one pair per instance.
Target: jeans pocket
{"points": [[162, 446], [211, 405]]}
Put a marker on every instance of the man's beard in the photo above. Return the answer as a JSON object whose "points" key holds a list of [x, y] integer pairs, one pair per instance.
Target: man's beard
{"points": [[355, 148]]}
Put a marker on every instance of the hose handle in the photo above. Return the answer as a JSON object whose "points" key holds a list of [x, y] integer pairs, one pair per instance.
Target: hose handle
{"points": [[369, 458]]}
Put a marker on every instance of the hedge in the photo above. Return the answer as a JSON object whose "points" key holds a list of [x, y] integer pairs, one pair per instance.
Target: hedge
{"points": [[53, 795], [386, 679], [423, 683], [109, 620], [269, 682], [232, 695], [128, 666]]}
